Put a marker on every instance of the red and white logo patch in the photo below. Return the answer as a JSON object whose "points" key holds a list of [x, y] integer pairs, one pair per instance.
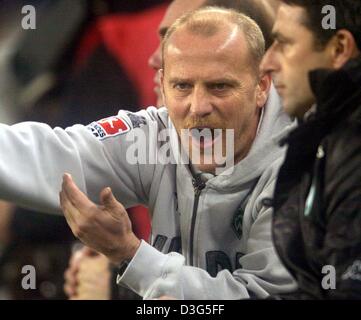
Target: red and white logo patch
{"points": [[114, 125], [109, 127]]}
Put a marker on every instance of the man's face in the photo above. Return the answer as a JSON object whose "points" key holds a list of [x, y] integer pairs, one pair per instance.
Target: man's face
{"points": [[207, 82], [175, 10], [290, 59]]}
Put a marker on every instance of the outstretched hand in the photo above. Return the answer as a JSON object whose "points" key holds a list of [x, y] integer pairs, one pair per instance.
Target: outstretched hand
{"points": [[105, 228]]}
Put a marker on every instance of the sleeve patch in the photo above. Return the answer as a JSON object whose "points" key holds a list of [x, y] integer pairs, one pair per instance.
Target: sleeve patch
{"points": [[109, 127]]}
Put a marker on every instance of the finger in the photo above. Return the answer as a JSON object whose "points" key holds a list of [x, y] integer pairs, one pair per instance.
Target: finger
{"points": [[105, 196], [70, 284], [77, 198], [93, 265], [108, 200], [71, 214], [68, 210], [69, 291], [111, 203], [70, 277]]}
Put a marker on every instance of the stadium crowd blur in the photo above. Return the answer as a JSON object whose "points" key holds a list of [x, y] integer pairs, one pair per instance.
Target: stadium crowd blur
{"points": [[84, 61]]}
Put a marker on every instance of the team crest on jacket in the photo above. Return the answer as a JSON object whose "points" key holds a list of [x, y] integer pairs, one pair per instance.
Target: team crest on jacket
{"points": [[136, 120], [238, 222], [109, 127]]}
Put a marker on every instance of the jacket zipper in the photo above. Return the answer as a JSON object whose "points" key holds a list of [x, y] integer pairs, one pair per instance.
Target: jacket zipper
{"points": [[198, 186]]}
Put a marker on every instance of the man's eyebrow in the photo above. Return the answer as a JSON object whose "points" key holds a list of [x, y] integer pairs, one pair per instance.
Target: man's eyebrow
{"points": [[277, 35], [162, 31], [178, 80], [229, 81]]}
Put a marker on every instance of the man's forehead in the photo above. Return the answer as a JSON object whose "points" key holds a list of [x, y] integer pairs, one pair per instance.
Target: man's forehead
{"points": [[288, 18], [205, 61], [228, 39], [287, 14], [227, 49]]}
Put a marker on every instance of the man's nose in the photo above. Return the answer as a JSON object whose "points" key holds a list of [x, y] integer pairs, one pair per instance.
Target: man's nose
{"points": [[269, 62], [201, 104], [155, 60]]}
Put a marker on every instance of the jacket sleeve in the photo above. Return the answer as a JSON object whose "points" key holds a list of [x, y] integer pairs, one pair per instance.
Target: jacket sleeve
{"points": [[34, 158], [342, 244], [152, 274]]}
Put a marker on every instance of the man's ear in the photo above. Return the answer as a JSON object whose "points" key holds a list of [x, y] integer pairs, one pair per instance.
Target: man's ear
{"points": [[343, 48], [161, 78], [263, 89]]}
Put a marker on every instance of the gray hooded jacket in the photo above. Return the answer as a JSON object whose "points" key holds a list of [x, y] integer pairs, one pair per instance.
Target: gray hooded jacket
{"points": [[211, 236]]}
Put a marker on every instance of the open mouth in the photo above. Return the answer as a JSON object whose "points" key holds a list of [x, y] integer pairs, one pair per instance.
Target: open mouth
{"points": [[205, 137]]}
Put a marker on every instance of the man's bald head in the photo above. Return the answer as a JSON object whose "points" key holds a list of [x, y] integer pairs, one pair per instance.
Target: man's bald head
{"points": [[209, 21]]}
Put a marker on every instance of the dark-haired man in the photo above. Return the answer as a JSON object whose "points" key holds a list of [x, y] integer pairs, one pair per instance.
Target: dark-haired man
{"points": [[317, 200]]}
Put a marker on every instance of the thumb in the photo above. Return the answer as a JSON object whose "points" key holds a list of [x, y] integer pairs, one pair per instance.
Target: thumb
{"points": [[108, 200]]}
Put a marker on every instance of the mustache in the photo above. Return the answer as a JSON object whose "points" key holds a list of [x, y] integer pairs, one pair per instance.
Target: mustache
{"points": [[199, 122]]}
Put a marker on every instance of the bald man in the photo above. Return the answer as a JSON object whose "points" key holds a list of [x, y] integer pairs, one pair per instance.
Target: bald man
{"points": [[218, 223]]}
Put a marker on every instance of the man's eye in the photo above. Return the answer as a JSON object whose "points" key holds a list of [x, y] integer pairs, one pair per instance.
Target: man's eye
{"points": [[280, 43], [219, 86], [182, 86]]}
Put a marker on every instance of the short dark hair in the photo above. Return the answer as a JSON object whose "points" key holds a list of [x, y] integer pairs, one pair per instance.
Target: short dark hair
{"points": [[348, 16], [251, 8]]}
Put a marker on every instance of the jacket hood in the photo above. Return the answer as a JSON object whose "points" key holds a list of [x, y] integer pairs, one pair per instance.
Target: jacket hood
{"points": [[265, 149]]}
